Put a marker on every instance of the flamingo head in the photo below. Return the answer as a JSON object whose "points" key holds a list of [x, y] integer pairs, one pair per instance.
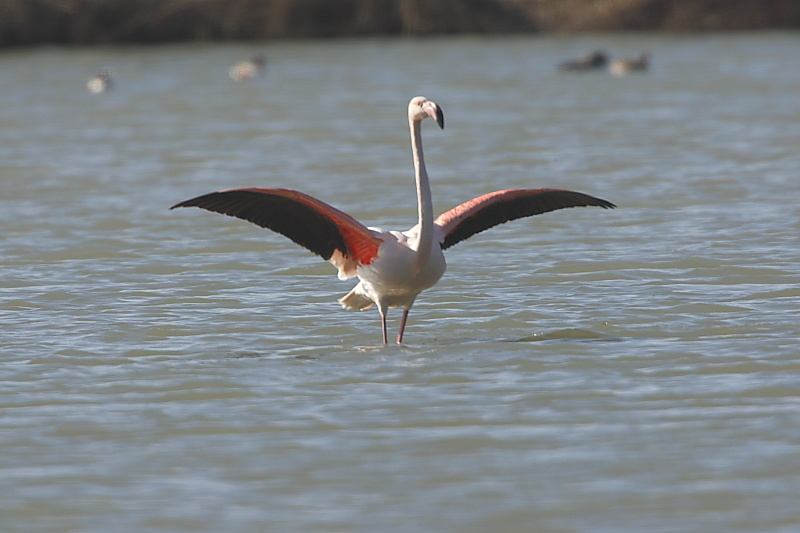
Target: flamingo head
{"points": [[420, 107]]}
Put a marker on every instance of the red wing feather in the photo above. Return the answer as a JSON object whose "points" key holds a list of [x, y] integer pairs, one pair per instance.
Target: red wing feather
{"points": [[497, 207], [309, 222]]}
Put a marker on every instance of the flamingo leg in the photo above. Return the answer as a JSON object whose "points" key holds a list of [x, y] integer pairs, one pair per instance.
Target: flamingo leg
{"points": [[383, 325], [402, 325]]}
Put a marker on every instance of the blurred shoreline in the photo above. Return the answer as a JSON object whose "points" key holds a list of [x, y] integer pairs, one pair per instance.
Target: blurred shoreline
{"points": [[98, 22]]}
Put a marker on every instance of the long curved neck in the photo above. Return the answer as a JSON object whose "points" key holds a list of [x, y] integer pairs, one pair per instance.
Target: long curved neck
{"points": [[424, 200]]}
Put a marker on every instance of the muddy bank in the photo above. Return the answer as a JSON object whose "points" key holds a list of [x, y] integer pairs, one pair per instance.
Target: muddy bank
{"points": [[88, 22]]}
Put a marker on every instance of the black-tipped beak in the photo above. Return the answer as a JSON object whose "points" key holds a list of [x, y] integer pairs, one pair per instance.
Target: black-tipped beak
{"points": [[434, 111]]}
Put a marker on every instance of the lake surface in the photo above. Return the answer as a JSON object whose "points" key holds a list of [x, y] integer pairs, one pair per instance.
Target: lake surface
{"points": [[580, 371]]}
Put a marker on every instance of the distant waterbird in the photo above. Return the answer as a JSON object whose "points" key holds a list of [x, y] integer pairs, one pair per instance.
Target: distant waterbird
{"points": [[101, 82], [621, 67], [393, 267], [597, 60], [245, 70]]}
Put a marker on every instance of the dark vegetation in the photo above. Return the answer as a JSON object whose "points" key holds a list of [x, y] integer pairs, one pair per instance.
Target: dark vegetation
{"points": [[90, 22]]}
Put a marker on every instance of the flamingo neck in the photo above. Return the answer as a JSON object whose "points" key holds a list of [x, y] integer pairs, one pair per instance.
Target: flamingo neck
{"points": [[424, 200]]}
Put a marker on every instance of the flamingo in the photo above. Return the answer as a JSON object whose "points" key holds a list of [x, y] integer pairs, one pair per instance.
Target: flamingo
{"points": [[393, 267]]}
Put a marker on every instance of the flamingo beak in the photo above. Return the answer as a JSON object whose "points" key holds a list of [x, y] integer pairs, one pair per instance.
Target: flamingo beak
{"points": [[435, 112]]}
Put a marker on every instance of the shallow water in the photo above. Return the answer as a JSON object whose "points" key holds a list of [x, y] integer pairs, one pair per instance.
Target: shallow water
{"points": [[584, 370]]}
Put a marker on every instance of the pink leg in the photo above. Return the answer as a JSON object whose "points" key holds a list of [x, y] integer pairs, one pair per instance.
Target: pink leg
{"points": [[383, 324], [402, 326]]}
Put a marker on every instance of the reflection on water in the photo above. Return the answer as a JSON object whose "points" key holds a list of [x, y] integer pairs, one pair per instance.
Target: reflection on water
{"points": [[583, 370]]}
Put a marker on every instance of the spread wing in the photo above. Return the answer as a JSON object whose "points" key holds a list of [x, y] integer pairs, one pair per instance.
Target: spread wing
{"points": [[489, 210], [309, 222]]}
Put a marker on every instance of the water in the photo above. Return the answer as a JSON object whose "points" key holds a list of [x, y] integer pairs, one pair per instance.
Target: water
{"points": [[581, 371]]}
